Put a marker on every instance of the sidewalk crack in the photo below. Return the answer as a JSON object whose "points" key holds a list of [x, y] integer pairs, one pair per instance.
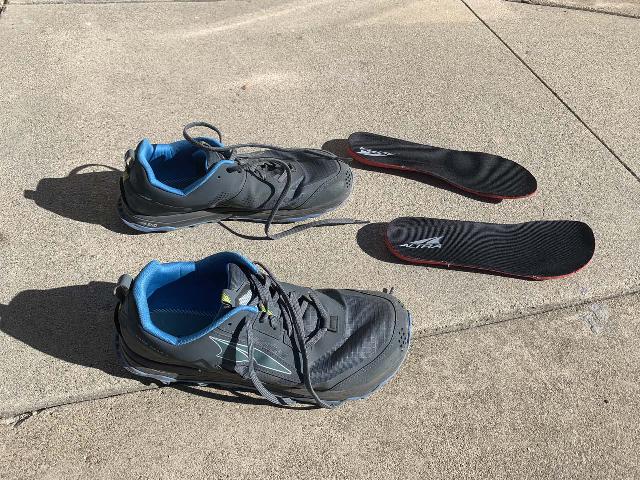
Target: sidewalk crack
{"points": [[555, 94], [579, 8], [545, 310]]}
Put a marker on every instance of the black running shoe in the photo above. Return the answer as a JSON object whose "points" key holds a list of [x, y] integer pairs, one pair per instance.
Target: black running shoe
{"points": [[198, 180], [223, 321]]}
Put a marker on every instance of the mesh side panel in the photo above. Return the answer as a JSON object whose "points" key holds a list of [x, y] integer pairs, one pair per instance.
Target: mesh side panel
{"points": [[318, 169], [315, 166], [368, 330], [349, 180], [220, 197], [254, 195]]}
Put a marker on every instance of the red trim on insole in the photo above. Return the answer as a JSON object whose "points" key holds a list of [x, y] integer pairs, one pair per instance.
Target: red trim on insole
{"points": [[372, 163], [470, 267]]}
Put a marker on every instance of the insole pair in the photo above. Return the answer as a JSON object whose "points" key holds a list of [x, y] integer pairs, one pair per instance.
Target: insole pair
{"points": [[538, 250]]}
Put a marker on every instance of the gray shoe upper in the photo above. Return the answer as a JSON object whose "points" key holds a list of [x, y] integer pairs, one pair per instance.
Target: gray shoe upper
{"points": [[249, 182], [353, 340]]}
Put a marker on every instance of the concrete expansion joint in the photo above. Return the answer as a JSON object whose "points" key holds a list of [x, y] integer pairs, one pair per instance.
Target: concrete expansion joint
{"points": [[596, 317], [553, 92], [17, 420], [575, 7]]}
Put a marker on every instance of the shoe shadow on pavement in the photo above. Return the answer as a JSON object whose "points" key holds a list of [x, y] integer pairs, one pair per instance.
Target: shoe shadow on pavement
{"points": [[72, 323], [339, 147], [88, 197], [75, 324], [236, 396]]}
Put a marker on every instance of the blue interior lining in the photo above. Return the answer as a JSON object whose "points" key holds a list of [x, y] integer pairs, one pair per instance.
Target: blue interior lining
{"points": [[180, 302], [179, 167]]}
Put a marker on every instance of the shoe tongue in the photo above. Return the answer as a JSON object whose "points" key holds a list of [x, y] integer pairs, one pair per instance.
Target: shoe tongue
{"points": [[310, 319], [238, 290], [212, 159]]}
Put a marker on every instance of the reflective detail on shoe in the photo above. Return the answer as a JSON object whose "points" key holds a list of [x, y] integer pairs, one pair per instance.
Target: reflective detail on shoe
{"points": [[238, 353], [373, 153]]}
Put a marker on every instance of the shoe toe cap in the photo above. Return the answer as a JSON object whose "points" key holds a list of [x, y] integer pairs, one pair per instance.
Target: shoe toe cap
{"points": [[375, 345], [333, 190]]}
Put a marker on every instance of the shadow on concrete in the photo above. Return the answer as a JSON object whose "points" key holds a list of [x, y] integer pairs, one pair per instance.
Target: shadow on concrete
{"points": [[238, 396], [88, 197], [339, 147], [370, 239], [73, 323]]}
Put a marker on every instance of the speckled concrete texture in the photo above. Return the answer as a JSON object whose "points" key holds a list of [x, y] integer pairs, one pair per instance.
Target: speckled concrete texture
{"points": [[85, 82], [549, 396]]}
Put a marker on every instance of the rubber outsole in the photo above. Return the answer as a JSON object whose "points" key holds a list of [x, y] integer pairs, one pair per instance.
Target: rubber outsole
{"points": [[167, 378], [148, 224]]}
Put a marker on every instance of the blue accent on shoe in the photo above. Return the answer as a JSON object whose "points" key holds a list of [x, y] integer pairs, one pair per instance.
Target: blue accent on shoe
{"points": [[164, 289], [178, 167]]}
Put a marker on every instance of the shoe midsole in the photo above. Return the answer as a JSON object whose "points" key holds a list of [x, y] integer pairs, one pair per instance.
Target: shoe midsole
{"points": [[177, 220], [167, 373], [173, 373]]}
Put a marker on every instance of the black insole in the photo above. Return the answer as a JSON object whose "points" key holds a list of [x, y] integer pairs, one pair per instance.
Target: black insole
{"points": [[476, 172], [539, 250]]}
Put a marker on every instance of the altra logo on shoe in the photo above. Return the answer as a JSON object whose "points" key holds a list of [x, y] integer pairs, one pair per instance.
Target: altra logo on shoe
{"points": [[374, 153], [433, 242], [238, 353]]}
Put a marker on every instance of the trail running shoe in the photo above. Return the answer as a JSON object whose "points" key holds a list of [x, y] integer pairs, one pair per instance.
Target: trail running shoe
{"points": [[225, 321], [198, 180]]}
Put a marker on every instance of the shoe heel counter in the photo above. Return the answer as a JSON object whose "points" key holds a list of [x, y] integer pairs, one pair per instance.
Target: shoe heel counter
{"points": [[135, 189], [130, 330]]}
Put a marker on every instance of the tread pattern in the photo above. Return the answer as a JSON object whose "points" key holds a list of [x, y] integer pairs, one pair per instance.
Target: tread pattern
{"points": [[537, 250], [479, 173]]}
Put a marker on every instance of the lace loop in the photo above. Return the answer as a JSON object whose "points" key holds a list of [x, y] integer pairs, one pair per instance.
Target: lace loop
{"points": [[291, 315]]}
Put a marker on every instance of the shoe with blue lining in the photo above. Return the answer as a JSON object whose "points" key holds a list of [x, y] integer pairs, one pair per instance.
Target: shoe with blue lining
{"points": [[199, 180], [227, 321]]}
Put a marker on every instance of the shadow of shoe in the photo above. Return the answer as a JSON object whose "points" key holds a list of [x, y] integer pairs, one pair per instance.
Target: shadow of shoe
{"points": [[340, 147], [370, 239], [237, 396], [73, 323], [88, 197]]}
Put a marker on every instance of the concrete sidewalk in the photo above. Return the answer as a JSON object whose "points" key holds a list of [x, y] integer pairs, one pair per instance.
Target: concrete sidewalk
{"points": [[553, 396], [82, 82], [624, 8]]}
